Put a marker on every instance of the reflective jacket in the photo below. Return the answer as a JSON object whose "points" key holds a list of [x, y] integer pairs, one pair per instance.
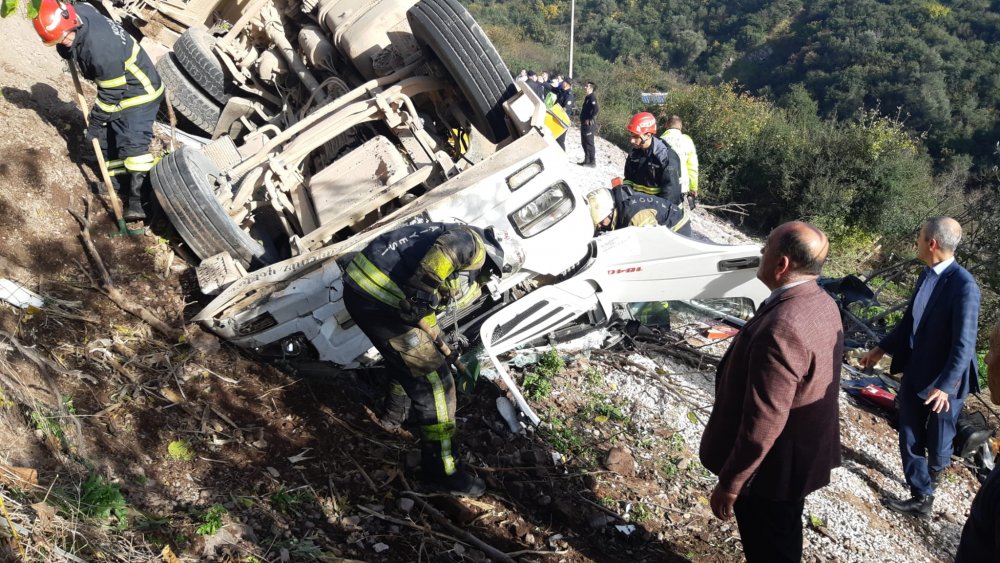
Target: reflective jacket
{"points": [[430, 257], [689, 158], [643, 210], [655, 171], [109, 56]]}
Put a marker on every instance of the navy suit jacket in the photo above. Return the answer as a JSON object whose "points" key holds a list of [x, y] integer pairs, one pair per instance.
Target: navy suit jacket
{"points": [[943, 355]]}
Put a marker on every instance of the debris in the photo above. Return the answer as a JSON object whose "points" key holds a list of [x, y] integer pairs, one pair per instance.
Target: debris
{"points": [[509, 415], [405, 504], [627, 529], [18, 295], [298, 458], [619, 460], [22, 477], [380, 547]]}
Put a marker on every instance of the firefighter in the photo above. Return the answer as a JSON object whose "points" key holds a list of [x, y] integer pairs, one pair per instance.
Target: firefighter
{"points": [[652, 167], [623, 207], [128, 89], [394, 289]]}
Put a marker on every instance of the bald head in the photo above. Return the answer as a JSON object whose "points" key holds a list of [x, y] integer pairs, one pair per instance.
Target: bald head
{"points": [[793, 251], [805, 246]]}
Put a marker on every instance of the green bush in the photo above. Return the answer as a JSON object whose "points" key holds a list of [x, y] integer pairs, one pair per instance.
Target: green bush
{"points": [[102, 500]]}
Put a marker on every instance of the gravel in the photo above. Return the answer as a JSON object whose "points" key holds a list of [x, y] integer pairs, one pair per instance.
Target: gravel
{"points": [[844, 521]]}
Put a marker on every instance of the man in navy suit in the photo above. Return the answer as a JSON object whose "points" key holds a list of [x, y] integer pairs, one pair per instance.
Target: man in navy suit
{"points": [[934, 346]]}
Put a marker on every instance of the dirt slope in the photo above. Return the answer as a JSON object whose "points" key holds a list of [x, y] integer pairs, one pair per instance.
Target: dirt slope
{"points": [[294, 461]]}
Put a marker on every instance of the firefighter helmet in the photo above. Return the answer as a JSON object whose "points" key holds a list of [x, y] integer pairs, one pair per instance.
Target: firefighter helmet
{"points": [[504, 253], [55, 19], [601, 203], [641, 123]]}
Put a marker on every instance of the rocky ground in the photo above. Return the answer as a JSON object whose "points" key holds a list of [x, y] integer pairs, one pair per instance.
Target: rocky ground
{"points": [[148, 447]]}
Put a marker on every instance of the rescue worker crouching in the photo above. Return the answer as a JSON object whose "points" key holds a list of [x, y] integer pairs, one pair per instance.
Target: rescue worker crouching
{"points": [[394, 289], [624, 207], [128, 89], [652, 167]]}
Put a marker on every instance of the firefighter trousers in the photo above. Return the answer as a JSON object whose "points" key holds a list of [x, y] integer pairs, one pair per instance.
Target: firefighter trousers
{"points": [[125, 140], [415, 363]]}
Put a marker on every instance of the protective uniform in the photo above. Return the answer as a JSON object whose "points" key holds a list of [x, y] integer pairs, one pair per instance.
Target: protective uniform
{"points": [[629, 208], [685, 148], [588, 127], [402, 278], [128, 91], [656, 171]]}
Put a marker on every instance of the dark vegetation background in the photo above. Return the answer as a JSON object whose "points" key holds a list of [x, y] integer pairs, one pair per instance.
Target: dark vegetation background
{"points": [[863, 117]]}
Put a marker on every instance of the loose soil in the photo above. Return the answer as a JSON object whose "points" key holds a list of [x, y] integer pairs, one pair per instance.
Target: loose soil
{"points": [[297, 460]]}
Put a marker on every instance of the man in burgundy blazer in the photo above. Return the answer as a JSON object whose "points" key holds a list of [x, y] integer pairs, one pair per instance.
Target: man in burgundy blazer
{"points": [[774, 434]]}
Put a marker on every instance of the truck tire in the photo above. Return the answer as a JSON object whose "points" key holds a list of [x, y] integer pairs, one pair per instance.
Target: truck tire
{"points": [[193, 50], [448, 29], [187, 99], [182, 186]]}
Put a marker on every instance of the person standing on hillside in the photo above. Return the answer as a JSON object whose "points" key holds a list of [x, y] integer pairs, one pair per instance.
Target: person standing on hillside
{"points": [[934, 346], [981, 534], [128, 89], [652, 167], [588, 125], [565, 96], [688, 154], [774, 435], [535, 84]]}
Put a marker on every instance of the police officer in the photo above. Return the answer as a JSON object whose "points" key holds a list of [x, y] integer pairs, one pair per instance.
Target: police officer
{"points": [[128, 88], [623, 207], [588, 125], [652, 167], [394, 289]]}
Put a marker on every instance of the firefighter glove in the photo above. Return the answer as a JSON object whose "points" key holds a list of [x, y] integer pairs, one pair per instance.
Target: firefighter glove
{"points": [[418, 306], [692, 200]]}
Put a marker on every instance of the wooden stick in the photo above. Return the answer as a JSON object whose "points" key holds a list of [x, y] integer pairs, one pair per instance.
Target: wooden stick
{"points": [[491, 552], [108, 287]]}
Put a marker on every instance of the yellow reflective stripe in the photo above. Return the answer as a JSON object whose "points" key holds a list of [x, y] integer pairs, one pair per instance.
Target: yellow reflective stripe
{"points": [[373, 281], [440, 400], [646, 189], [131, 102], [447, 458], [437, 262], [116, 163], [112, 83], [141, 163], [682, 222], [480, 256], [369, 287], [130, 66], [469, 296], [117, 172], [644, 218]]}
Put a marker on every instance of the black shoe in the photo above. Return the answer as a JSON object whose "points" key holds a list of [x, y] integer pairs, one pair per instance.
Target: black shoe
{"points": [[460, 483], [918, 505], [935, 477]]}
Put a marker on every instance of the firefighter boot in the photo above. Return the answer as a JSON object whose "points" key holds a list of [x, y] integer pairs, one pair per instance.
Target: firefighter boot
{"points": [[439, 471], [134, 211], [395, 409]]}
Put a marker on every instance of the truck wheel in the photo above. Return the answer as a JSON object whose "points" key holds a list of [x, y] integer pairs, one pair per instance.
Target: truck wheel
{"points": [[193, 50], [186, 98], [181, 181], [470, 58]]}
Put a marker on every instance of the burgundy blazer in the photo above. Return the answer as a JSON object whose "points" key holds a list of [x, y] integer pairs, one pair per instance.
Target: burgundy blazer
{"points": [[774, 431]]}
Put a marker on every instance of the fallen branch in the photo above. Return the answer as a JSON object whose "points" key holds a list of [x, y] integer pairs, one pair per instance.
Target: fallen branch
{"points": [[491, 552], [108, 287], [734, 208]]}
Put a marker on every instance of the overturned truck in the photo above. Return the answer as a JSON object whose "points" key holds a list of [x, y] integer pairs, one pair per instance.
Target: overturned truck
{"points": [[332, 121]]}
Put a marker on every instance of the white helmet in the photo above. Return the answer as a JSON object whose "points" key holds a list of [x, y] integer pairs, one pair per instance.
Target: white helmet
{"points": [[504, 250], [601, 203]]}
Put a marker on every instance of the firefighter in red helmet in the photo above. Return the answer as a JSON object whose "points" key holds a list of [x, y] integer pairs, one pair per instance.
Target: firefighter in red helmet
{"points": [[129, 89], [652, 167]]}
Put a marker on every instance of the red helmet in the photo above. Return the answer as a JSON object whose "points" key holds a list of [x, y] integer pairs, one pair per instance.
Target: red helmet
{"points": [[642, 122], [55, 19]]}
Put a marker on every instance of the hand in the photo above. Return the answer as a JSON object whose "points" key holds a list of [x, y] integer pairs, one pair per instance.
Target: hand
{"points": [[94, 131], [871, 357], [938, 401], [722, 503], [418, 306], [692, 200]]}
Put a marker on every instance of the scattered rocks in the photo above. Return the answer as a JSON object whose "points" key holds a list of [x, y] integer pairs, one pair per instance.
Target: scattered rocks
{"points": [[620, 461]]}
